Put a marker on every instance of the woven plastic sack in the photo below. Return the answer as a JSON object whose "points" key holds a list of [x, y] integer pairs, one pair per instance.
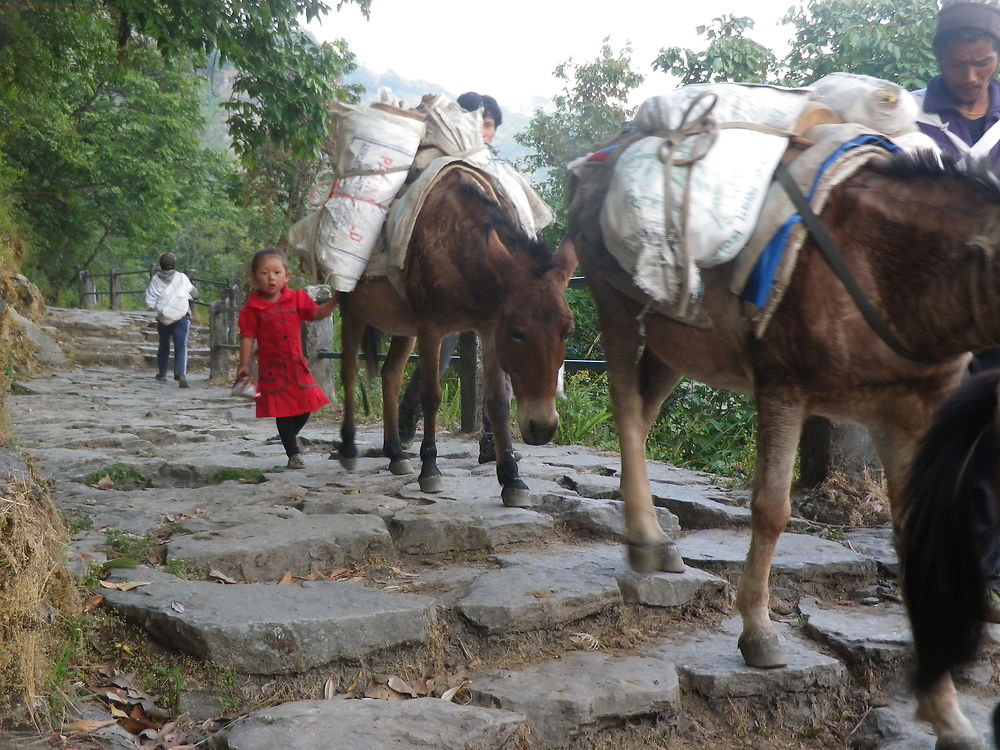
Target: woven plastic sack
{"points": [[375, 148], [884, 106]]}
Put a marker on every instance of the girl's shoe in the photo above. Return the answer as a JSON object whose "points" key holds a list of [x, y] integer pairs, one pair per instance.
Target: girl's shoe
{"points": [[296, 462]]}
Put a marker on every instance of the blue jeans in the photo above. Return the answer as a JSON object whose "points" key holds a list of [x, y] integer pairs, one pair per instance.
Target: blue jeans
{"points": [[178, 331]]}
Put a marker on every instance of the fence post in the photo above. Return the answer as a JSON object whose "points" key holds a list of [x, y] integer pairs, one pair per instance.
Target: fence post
{"points": [[116, 289], [88, 291], [470, 374], [218, 334]]}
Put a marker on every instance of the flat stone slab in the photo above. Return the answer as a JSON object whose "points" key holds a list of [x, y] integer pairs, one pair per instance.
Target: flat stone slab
{"points": [[876, 544], [699, 506], [581, 691], [524, 598], [807, 558], [327, 501], [460, 525], [264, 551], [860, 634], [711, 664], [604, 519], [895, 727], [262, 628], [417, 724], [652, 589]]}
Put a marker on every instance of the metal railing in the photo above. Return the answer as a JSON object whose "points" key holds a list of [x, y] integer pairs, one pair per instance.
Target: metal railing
{"points": [[106, 289]]}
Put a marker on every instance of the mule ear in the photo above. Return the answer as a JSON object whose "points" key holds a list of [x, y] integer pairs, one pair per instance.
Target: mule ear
{"points": [[564, 262]]}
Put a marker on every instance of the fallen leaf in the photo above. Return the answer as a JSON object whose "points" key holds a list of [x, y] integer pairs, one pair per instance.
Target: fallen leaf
{"points": [[329, 689], [285, 579], [450, 693], [117, 712], [399, 685], [93, 602], [213, 573], [378, 692], [337, 573], [86, 725], [129, 585], [177, 607], [105, 483], [314, 576]]}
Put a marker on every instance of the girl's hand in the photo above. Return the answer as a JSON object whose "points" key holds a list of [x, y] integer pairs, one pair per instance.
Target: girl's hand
{"points": [[243, 372]]}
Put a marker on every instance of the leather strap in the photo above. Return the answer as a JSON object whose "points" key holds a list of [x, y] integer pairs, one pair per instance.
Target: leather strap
{"points": [[828, 249]]}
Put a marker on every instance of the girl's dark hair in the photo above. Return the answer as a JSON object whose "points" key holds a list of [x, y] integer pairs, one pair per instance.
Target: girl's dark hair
{"points": [[261, 254], [470, 101]]}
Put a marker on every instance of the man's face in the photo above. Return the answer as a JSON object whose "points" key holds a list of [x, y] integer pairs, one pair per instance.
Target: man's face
{"points": [[489, 129], [967, 68]]}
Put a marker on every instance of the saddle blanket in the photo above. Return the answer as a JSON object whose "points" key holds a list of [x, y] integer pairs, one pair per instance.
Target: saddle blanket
{"points": [[763, 270]]}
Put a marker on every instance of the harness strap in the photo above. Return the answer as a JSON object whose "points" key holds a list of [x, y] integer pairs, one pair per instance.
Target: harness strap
{"points": [[828, 249]]}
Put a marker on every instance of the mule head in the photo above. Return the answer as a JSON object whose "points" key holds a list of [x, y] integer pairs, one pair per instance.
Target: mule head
{"points": [[532, 326]]}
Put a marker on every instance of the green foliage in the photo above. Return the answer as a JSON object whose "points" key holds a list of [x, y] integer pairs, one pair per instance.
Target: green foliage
{"points": [[705, 429], [61, 688], [169, 682], [585, 416], [246, 476], [881, 38], [129, 546], [123, 476], [729, 56], [75, 521]]}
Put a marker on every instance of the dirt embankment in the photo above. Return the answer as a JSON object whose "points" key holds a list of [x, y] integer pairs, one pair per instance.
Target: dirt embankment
{"points": [[40, 611]]}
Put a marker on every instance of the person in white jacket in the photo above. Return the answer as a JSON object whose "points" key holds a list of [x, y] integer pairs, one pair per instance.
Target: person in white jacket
{"points": [[170, 293]]}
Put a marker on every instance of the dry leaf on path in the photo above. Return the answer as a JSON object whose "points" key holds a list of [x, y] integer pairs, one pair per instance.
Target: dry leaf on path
{"points": [[105, 483], [286, 579], [86, 725], [329, 689], [213, 573], [177, 607], [93, 602], [400, 685], [126, 586], [450, 693]]}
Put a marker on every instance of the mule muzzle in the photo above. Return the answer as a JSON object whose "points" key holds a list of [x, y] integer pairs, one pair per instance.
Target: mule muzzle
{"points": [[538, 426]]}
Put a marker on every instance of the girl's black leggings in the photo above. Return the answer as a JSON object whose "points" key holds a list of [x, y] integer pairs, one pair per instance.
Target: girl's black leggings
{"points": [[288, 430]]}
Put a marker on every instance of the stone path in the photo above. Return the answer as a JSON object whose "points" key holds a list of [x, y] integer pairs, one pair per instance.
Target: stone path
{"points": [[528, 619]]}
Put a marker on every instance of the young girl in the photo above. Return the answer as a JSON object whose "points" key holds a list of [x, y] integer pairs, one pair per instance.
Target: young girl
{"points": [[273, 316]]}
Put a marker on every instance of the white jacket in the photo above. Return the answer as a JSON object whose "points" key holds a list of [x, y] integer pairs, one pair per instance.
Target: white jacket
{"points": [[169, 293]]}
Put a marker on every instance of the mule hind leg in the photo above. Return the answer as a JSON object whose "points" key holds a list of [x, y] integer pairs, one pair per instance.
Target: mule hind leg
{"points": [[392, 382], [352, 328]]}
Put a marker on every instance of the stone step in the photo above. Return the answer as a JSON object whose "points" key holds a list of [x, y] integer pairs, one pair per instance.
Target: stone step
{"points": [[263, 628], [376, 725]]}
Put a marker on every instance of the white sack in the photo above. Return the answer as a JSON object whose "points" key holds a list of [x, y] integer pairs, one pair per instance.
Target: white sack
{"points": [[886, 107], [343, 233], [728, 186]]}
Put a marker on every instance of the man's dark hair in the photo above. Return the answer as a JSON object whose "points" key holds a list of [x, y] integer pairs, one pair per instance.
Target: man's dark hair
{"points": [[963, 36], [470, 101]]}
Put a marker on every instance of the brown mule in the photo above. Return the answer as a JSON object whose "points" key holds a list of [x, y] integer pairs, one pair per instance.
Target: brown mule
{"points": [[920, 239], [468, 267]]}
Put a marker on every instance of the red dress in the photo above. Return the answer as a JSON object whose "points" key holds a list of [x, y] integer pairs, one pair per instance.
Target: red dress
{"points": [[287, 387]]}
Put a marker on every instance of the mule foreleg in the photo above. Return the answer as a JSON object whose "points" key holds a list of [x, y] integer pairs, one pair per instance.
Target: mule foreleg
{"points": [[392, 382], [514, 492], [779, 425], [430, 402], [351, 331]]}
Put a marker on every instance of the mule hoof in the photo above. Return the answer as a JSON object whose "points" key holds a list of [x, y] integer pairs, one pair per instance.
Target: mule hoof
{"points": [[762, 651], [349, 464], [516, 497], [960, 743], [431, 484], [644, 557], [402, 466]]}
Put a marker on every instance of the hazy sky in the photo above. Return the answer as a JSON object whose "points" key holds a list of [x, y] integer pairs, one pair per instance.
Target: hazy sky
{"points": [[509, 48]]}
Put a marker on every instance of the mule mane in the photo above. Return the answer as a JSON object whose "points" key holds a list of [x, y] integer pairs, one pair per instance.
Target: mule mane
{"points": [[510, 232], [978, 175]]}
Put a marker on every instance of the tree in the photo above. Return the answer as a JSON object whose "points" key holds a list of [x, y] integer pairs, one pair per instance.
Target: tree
{"points": [[285, 82], [882, 38], [729, 56]]}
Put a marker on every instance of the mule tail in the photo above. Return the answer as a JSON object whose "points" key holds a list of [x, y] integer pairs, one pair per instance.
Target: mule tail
{"points": [[948, 531]]}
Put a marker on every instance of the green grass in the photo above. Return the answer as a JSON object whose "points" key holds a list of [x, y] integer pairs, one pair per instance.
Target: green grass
{"points": [[129, 546], [246, 476], [124, 477]]}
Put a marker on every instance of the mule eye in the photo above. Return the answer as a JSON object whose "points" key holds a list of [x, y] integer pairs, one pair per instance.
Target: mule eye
{"points": [[518, 335]]}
